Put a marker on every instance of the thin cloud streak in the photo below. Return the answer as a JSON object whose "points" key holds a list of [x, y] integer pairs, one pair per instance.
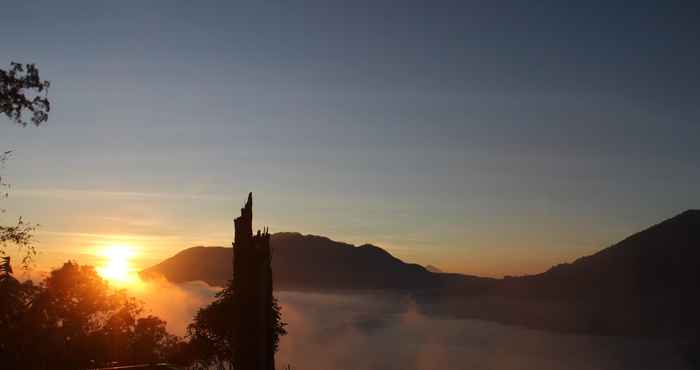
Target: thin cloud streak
{"points": [[64, 193]]}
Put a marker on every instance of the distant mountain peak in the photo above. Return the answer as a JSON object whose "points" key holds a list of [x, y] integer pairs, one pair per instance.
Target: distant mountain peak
{"points": [[303, 262]]}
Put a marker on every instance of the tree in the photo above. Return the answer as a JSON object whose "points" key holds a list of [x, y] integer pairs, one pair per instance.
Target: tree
{"points": [[212, 337], [151, 342], [255, 312], [15, 298], [210, 333], [19, 234], [20, 92], [74, 320], [79, 317]]}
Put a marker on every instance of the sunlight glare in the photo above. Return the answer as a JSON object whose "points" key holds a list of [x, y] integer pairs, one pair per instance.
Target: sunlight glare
{"points": [[116, 268]]}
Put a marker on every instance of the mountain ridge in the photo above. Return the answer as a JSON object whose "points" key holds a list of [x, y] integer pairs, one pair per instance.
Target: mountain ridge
{"points": [[641, 285], [306, 262]]}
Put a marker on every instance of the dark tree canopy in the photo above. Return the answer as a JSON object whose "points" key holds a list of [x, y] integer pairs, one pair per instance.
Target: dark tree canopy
{"points": [[21, 90], [74, 320], [212, 338]]}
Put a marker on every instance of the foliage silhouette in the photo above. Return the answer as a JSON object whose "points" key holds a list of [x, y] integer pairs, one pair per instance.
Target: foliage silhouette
{"points": [[74, 320], [16, 84], [21, 90], [19, 234], [211, 335]]}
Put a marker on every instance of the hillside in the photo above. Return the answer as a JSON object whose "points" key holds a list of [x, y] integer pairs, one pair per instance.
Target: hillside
{"points": [[309, 262], [644, 285], [646, 281]]}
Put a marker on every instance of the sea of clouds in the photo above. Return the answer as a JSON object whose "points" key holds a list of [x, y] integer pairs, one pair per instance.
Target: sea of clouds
{"points": [[375, 331]]}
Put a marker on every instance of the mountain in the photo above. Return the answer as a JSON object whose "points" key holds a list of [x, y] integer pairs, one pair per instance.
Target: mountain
{"points": [[213, 265], [309, 262], [644, 285], [659, 261]]}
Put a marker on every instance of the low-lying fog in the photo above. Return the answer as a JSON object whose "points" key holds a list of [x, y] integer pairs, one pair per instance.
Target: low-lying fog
{"points": [[369, 331]]}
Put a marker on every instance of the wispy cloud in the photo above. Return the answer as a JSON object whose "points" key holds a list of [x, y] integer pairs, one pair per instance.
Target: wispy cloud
{"points": [[65, 193]]}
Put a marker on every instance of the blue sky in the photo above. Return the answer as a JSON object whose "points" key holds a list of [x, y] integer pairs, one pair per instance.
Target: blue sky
{"points": [[478, 138]]}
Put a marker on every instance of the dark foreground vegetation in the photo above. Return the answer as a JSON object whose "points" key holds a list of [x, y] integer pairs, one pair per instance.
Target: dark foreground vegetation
{"points": [[74, 320]]}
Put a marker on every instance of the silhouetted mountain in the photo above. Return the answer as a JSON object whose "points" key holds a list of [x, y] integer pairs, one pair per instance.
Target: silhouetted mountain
{"points": [[644, 285], [309, 262], [213, 265], [660, 260]]}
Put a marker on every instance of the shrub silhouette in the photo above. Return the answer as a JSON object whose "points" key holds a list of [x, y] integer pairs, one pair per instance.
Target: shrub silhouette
{"points": [[75, 320]]}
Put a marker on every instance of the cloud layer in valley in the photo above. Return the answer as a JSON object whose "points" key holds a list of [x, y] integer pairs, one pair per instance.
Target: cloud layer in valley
{"points": [[387, 332], [175, 303], [370, 331]]}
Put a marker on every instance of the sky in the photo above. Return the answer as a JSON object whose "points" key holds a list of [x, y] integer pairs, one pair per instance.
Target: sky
{"points": [[479, 138]]}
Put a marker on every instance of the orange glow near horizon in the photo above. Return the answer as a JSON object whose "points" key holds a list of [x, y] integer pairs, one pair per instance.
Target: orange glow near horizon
{"points": [[116, 268]]}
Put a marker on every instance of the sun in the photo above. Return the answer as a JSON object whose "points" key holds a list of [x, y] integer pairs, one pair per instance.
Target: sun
{"points": [[116, 266]]}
